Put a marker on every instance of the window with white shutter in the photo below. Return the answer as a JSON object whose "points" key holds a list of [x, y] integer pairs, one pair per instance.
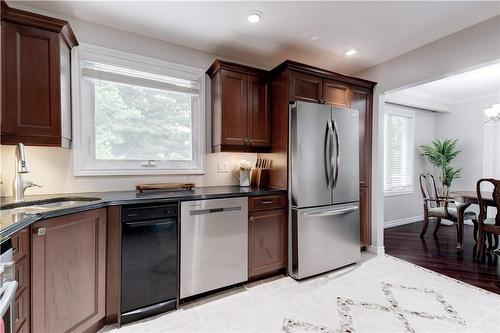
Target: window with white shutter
{"points": [[399, 151], [136, 115]]}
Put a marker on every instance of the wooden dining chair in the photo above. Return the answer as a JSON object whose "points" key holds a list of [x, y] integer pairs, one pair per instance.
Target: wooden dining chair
{"points": [[488, 226], [440, 207]]}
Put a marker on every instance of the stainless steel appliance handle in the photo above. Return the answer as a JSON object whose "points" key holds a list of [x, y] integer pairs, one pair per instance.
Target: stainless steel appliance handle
{"points": [[213, 210], [332, 212], [336, 159], [328, 155], [150, 223]]}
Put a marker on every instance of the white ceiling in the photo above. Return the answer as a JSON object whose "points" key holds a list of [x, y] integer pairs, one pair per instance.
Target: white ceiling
{"points": [[477, 83], [382, 30]]}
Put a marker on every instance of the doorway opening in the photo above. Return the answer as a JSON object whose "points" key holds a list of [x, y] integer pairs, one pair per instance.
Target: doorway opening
{"points": [[459, 118]]}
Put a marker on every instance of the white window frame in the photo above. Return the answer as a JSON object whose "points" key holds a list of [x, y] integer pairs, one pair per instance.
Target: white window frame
{"points": [[85, 163], [390, 110]]}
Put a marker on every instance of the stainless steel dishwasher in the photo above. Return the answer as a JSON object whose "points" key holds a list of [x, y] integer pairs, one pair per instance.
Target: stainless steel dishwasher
{"points": [[214, 244]]}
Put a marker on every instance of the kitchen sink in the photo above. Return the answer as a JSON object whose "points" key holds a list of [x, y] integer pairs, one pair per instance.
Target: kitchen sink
{"points": [[37, 206]]}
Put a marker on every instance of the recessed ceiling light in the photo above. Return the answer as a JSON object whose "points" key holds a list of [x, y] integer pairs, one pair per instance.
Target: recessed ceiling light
{"points": [[254, 16], [351, 51]]}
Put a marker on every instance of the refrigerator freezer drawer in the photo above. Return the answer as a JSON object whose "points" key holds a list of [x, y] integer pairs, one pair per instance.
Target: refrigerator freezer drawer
{"points": [[324, 238]]}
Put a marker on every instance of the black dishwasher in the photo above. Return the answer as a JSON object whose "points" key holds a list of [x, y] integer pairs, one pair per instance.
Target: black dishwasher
{"points": [[149, 261]]}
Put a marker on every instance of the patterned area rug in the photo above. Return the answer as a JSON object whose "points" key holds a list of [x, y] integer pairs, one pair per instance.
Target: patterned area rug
{"points": [[380, 294], [344, 306], [393, 306]]}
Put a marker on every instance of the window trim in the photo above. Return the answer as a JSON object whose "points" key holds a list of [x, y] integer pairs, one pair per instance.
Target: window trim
{"points": [[84, 164], [410, 189]]}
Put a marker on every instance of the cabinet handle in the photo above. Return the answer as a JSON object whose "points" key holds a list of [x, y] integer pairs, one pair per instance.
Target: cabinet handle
{"points": [[41, 231], [268, 202], [251, 219]]}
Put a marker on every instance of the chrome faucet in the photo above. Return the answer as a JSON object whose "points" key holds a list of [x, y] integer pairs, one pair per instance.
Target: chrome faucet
{"points": [[20, 185]]}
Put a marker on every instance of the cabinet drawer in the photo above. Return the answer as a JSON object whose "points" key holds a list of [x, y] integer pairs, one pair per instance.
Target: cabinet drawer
{"points": [[267, 202], [19, 245], [22, 274], [21, 309]]}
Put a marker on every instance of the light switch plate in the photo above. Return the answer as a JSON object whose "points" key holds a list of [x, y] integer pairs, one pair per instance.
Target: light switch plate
{"points": [[223, 167]]}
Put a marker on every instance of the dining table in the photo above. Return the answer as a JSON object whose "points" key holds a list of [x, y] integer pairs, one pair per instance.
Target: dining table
{"points": [[463, 199]]}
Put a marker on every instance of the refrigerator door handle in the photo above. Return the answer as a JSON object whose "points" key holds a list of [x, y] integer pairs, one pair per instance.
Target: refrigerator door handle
{"points": [[328, 155], [332, 212], [335, 159]]}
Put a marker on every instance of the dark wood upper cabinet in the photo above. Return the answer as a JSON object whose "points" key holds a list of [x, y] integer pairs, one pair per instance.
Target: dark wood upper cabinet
{"points": [[306, 87], [235, 104], [335, 93], [69, 273], [259, 115], [240, 108], [36, 79]]}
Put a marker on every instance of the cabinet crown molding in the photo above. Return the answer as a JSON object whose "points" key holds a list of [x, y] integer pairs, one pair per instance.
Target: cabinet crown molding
{"points": [[235, 67], [300, 67], [18, 16]]}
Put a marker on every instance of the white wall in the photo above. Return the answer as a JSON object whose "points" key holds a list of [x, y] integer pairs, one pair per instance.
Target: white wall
{"points": [[405, 208], [463, 50], [465, 123], [53, 167]]}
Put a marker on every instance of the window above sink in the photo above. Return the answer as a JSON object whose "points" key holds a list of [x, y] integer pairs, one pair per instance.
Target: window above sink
{"points": [[135, 115]]}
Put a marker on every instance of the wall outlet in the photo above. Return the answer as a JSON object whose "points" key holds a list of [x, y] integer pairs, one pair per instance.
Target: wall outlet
{"points": [[223, 167]]}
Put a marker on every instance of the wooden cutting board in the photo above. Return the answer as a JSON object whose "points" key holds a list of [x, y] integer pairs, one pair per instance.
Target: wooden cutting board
{"points": [[164, 186]]}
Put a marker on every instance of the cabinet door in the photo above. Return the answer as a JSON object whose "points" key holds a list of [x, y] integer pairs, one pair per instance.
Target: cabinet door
{"points": [[31, 85], [364, 217], [335, 93], [69, 272], [306, 87], [267, 244], [361, 101], [234, 108], [259, 116]]}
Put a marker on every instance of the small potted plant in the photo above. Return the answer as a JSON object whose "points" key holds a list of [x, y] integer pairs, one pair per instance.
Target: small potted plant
{"points": [[245, 167], [440, 154]]}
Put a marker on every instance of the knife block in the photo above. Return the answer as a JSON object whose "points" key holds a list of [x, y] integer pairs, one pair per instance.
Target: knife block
{"points": [[259, 177]]}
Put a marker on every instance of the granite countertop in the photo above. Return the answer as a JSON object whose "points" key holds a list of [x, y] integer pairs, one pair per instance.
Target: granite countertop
{"points": [[22, 217]]}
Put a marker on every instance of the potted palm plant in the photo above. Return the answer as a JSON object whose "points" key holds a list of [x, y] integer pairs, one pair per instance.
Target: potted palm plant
{"points": [[440, 154]]}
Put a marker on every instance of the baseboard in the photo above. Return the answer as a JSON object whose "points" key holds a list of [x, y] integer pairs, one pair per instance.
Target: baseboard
{"points": [[378, 250], [394, 223]]}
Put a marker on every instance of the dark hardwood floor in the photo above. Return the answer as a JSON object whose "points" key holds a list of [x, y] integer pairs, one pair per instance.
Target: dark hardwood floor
{"points": [[440, 255]]}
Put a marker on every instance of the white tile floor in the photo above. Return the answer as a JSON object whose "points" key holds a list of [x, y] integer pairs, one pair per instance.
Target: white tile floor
{"points": [[313, 306]]}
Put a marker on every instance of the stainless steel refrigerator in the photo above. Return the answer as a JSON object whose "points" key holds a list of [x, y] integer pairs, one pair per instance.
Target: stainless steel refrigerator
{"points": [[324, 183]]}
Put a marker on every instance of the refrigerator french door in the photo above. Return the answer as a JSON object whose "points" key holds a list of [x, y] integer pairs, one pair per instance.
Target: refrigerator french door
{"points": [[324, 183]]}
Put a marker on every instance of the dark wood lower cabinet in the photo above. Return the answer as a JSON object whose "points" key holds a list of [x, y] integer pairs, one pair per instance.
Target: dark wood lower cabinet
{"points": [[69, 273], [21, 256], [364, 216], [267, 233]]}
